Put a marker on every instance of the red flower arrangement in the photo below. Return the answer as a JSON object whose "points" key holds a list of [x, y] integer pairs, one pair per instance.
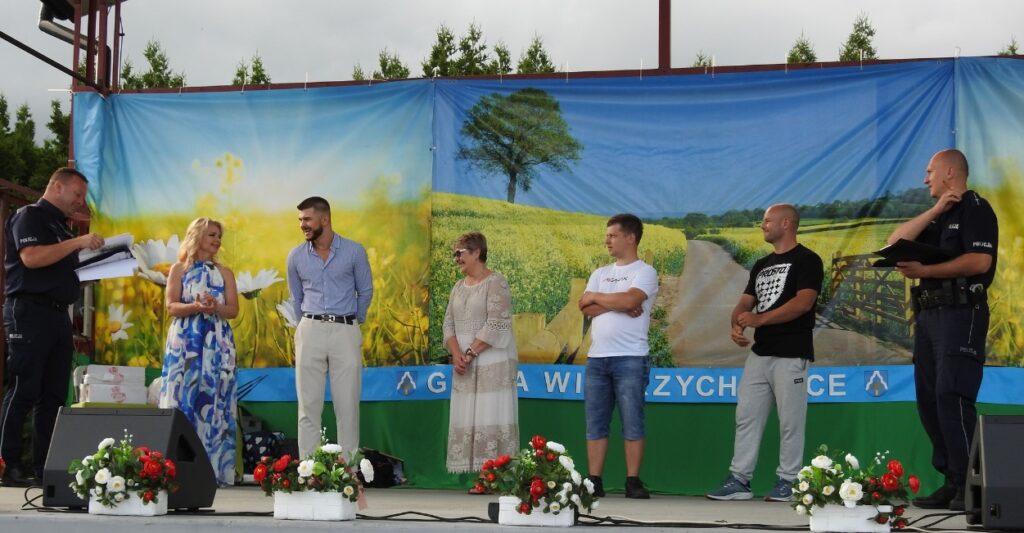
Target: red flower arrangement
{"points": [[839, 479], [543, 477], [325, 470], [115, 472]]}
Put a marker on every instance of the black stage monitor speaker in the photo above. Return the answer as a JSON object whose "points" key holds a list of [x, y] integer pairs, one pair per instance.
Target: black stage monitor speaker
{"points": [[79, 431], [995, 473]]}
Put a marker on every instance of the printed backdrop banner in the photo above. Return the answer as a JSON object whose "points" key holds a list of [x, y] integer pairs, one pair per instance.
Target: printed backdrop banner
{"points": [[831, 384], [538, 166], [157, 161]]}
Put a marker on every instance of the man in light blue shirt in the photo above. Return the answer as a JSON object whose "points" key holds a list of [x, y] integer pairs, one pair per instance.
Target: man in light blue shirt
{"points": [[331, 285]]}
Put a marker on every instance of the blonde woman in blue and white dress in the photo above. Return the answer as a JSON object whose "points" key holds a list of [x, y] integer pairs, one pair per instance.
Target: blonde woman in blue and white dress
{"points": [[198, 376]]}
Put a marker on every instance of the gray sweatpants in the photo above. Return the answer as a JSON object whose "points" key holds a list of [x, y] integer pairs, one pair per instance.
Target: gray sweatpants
{"points": [[766, 381]]}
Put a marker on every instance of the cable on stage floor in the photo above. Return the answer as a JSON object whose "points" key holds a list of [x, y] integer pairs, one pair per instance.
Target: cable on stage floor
{"points": [[427, 518], [583, 519]]}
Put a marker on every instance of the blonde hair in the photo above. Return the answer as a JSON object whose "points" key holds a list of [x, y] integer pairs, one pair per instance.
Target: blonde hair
{"points": [[190, 245]]}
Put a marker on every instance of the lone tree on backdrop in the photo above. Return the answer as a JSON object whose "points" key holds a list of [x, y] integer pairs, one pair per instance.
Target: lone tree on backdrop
{"points": [[1010, 49], [535, 59], [254, 74], [517, 134], [802, 51], [859, 40], [158, 76], [701, 60]]}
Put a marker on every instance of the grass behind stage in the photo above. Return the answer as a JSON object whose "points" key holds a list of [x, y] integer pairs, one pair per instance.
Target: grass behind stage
{"points": [[689, 446]]}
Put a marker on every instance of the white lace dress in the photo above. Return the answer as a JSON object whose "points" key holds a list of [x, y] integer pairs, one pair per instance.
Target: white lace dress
{"points": [[484, 418]]}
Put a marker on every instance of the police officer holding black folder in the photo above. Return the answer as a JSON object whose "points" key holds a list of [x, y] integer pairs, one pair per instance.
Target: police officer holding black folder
{"points": [[951, 317], [40, 261]]}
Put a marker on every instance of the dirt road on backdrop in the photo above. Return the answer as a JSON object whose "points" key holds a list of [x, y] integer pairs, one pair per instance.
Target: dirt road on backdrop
{"points": [[704, 296]]}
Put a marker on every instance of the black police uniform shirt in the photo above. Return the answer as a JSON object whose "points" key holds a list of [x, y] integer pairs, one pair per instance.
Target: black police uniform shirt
{"points": [[41, 223], [774, 280], [970, 226]]}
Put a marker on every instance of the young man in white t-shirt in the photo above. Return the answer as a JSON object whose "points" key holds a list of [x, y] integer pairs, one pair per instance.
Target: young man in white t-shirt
{"points": [[619, 298]]}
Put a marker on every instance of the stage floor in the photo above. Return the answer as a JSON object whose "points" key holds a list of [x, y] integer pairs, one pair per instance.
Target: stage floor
{"points": [[247, 509]]}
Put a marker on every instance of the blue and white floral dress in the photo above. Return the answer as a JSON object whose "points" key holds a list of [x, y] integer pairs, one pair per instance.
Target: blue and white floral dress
{"points": [[198, 377]]}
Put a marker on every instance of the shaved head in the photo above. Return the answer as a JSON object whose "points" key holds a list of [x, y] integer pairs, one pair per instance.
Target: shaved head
{"points": [[955, 160], [786, 211]]}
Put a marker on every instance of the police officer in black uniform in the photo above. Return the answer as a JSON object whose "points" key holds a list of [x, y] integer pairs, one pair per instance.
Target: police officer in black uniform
{"points": [[951, 317], [40, 262]]}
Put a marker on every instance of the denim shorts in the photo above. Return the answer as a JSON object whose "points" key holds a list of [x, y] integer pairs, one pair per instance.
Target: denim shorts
{"points": [[616, 380]]}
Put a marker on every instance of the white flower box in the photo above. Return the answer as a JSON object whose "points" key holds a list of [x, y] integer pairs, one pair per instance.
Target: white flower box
{"points": [[104, 393], [508, 516], [311, 505], [842, 519], [115, 375], [133, 506]]}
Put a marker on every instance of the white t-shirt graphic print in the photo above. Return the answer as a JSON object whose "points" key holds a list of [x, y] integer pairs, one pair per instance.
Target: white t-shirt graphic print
{"points": [[617, 334], [769, 285]]}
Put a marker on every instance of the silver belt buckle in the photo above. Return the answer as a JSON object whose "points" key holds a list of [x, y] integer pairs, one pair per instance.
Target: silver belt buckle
{"points": [[331, 318]]}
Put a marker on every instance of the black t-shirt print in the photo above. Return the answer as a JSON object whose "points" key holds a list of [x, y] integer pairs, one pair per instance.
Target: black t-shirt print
{"points": [[774, 280]]}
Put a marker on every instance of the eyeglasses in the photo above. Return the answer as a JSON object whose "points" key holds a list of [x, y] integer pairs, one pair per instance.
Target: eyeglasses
{"points": [[458, 253]]}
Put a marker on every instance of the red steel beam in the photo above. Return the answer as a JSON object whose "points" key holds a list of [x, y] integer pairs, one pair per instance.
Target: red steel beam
{"points": [[664, 35]]}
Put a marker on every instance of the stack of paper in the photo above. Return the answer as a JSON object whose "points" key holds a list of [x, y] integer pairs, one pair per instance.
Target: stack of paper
{"points": [[113, 260]]}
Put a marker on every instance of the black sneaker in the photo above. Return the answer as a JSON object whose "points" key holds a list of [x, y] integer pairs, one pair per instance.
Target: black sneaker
{"points": [[731, 489], [940, 499], [598, 485], [635, 489], [957, 503], [14, 477]]}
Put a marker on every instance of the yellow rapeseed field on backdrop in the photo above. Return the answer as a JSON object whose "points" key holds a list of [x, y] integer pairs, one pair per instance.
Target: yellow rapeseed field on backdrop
{"points": [[131, 324], [540, 251]]}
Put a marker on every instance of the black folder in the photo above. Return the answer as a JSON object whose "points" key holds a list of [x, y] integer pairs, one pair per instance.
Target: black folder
{"points": [[904, 250]]}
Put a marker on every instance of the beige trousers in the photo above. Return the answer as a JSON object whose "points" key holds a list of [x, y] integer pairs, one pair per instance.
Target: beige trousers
{"points": [[323, 348]]}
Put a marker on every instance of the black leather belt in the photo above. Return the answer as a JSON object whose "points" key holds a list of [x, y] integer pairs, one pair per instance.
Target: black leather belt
{"points": [[949, 295], [40, 299], [341, 319]]}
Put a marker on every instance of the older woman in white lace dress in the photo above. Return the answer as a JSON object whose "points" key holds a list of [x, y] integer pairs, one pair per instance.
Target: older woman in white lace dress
{"points": [[484, 419]]}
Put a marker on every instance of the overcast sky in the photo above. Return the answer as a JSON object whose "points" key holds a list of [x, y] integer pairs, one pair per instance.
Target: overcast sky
{"points": [[323, 39]]}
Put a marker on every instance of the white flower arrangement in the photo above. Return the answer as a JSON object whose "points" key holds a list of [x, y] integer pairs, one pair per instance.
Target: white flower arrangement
{"points": [[543, 478], [838, 479], [851, 492], [325, 470]]}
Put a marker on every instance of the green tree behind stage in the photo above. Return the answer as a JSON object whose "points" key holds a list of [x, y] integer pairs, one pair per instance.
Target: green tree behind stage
{"points": [[21, 160], [251, 73], [158, 76], [860, 40], [802, 51]]}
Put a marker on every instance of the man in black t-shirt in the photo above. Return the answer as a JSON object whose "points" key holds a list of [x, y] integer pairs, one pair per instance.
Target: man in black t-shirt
{"points": [[778, 303], [951, 317], [41, 283]]}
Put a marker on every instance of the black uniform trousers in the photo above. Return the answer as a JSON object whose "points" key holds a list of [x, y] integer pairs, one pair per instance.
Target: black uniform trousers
{"points": [[949, 357], [39, 348]]}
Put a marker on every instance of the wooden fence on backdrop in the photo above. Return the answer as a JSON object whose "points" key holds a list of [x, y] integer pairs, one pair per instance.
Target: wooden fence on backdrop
{"points": [[875, 299]]}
